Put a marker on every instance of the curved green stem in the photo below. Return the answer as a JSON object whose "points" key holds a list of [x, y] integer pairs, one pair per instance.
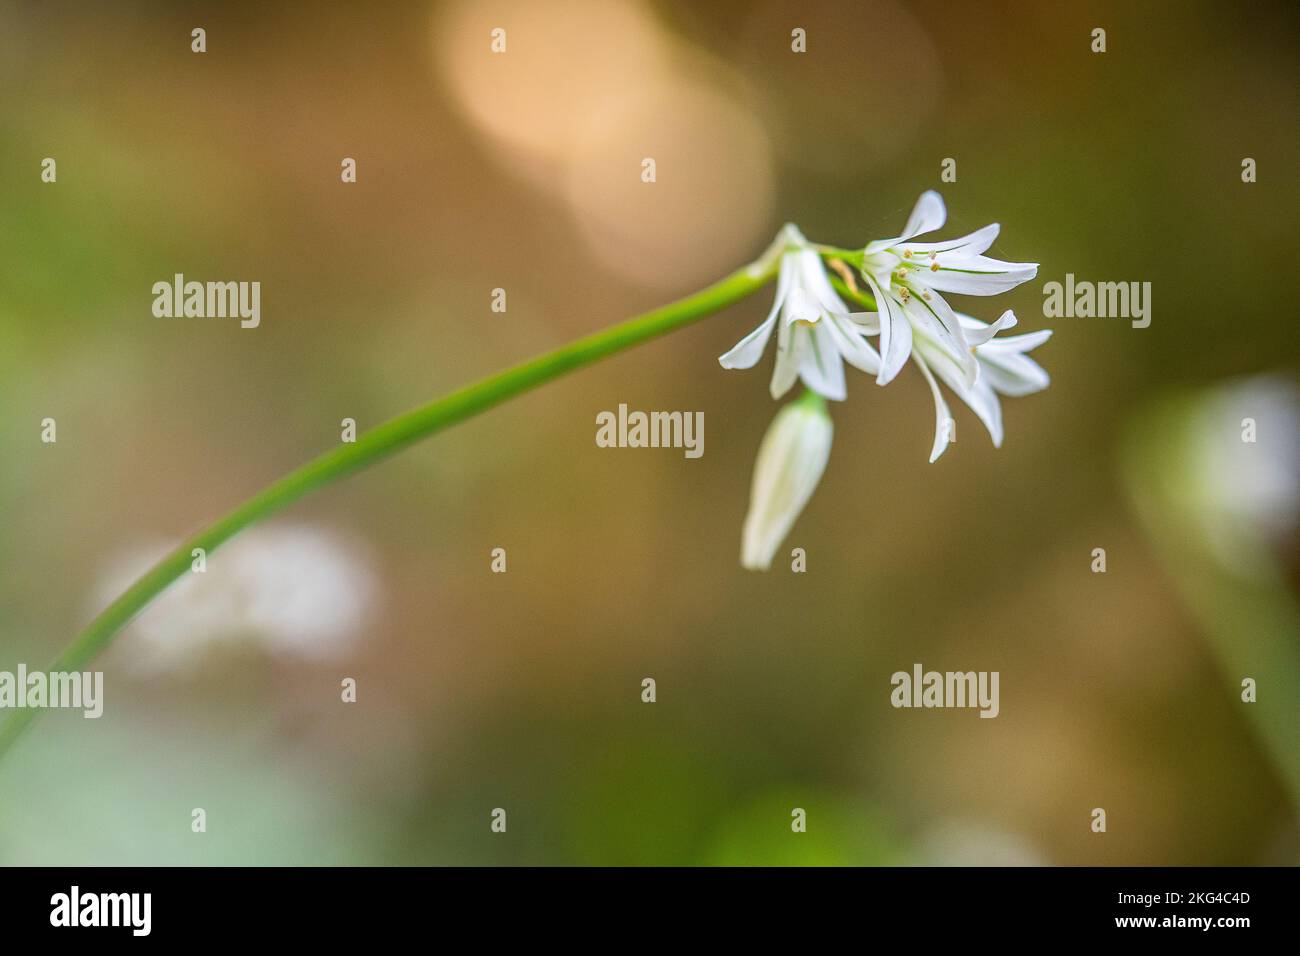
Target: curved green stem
{"points": [[855, 296], [387, 439]]}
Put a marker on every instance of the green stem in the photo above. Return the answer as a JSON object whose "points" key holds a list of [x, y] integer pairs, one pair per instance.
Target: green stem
{"points": [[387, 439], [853, 295], [853, 257]]}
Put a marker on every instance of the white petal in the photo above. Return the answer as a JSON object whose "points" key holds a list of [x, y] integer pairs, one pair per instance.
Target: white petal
{"points": [[1009, 370], [972, 245], [981, 398], [928, 215], [977, 332], [746, 352], [895, 335], [790, 464], [1018, 343], [942, 416], [936, 314], [978, 275], [801, 306], [813, 277], [868, 322], [1016, 376], [984, 403], [880, 265], [788, 237], [852, 345], [786, 370], [820, 365]]}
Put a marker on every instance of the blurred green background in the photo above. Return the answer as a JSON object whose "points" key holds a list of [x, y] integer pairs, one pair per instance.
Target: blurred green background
{"points": [[522, 690]]}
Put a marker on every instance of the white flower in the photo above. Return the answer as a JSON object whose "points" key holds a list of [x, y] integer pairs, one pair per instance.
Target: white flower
{"points": [[790, 463], [1003, 369], [906, 278], [816, 334], [815, 329]]}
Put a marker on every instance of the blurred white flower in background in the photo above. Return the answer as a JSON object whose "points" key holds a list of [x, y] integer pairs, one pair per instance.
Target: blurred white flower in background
{"points": [[293, 590], [1245, 488], [959, 843]]}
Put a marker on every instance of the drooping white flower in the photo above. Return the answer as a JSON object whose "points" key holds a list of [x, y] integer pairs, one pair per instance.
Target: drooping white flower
{"points": [[1003, 369], [790, 463], [816, 331], [907, 277]]}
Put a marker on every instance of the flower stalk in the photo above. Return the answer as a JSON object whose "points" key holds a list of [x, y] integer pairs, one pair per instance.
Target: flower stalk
{"points": [[387, 439]]}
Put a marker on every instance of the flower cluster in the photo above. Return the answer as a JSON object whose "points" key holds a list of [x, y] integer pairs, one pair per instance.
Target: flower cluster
{"points": [[817, 332]]}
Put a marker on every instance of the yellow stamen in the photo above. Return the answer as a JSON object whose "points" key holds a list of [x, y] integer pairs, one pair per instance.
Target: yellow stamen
{"points": [[846, 274]]}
